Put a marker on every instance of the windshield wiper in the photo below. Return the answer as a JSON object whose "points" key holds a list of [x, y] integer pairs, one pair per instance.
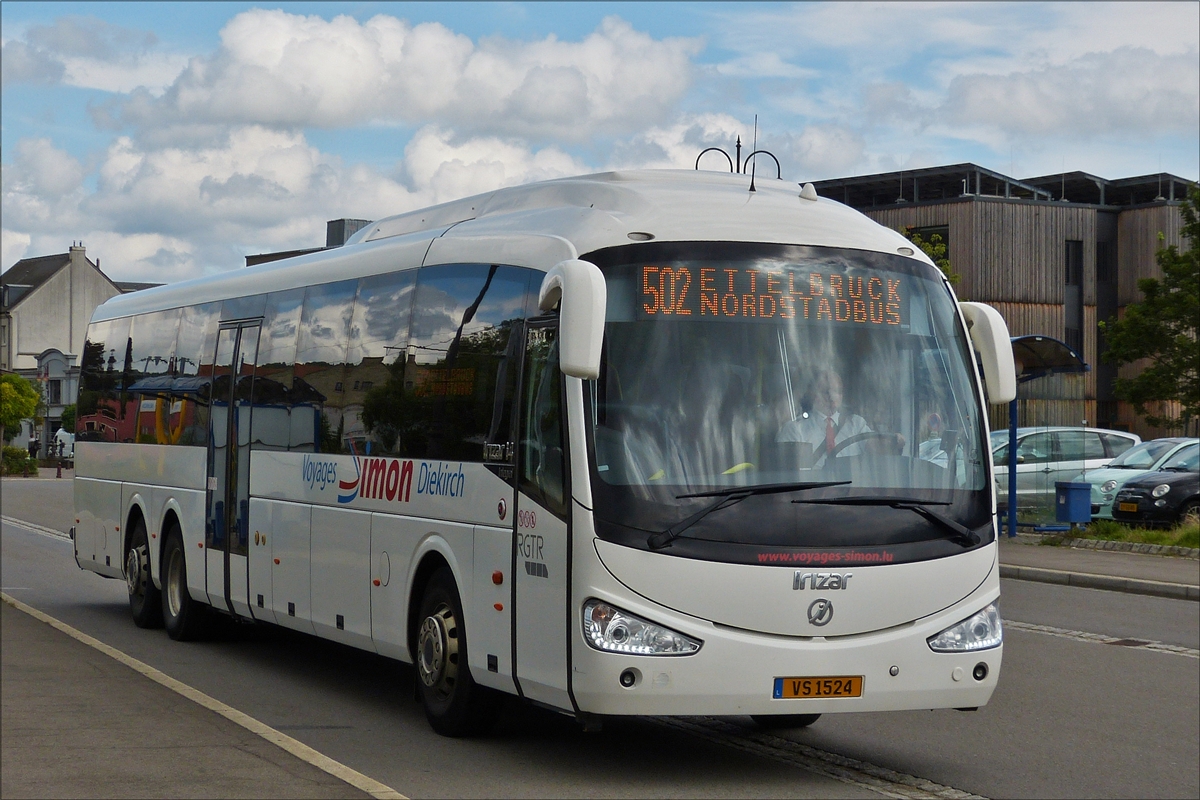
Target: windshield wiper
{"points": [[726, 498], [959, 534]]}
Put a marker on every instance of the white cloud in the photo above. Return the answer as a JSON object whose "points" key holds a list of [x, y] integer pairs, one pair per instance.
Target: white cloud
{"points": [[813, 152], [13, 247], [443, 169], [280, 69], [24, 64], [1132, 90], [168, 213], [90, 53]]}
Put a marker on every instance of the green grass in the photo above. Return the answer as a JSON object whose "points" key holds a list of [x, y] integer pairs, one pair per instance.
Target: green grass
{"points": [[1109, 530]]}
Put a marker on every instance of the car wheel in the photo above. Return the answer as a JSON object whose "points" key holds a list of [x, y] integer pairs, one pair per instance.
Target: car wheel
{"points": [[145, 602], [454, 704], [780, 721], [1190, 513]]}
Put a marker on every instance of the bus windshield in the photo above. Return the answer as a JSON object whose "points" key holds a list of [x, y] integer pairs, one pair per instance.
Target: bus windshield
{"points": [[742, 365]]}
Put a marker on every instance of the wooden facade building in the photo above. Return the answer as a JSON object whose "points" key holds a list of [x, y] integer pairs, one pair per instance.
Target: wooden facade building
{"points": [[1054, 254]]}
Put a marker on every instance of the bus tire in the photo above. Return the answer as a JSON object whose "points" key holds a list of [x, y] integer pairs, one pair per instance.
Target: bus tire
{"points": [[779, 721], [454, 704], [145, 602], [183, 617]]}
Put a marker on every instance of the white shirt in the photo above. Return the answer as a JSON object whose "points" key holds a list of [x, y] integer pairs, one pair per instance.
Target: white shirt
{"points": [[812, 430]]}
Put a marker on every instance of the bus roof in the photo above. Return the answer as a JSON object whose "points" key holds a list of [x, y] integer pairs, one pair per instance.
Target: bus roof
{"points": [[539, 224]]}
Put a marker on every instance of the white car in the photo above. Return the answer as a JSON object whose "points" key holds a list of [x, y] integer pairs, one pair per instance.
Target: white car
{"points": [[63, 445], [1047, 455]]}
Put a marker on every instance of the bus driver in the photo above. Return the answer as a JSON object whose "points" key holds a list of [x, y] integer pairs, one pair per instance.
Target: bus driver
{"points": [[829, 424]]}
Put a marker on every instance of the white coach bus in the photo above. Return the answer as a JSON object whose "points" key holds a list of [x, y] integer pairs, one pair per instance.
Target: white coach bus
{"points": [[631, 443]]}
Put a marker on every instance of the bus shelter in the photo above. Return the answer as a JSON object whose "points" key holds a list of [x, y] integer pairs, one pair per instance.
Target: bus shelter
{"points": [[1035, 357]]}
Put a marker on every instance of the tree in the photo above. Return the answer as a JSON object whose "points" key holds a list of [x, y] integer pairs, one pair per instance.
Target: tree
{"points": [[1162, 327], [937, 250], [68, 418], [18, 401]]}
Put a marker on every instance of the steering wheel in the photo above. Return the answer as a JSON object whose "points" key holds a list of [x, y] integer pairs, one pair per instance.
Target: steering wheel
{"points": [[858, 437]]}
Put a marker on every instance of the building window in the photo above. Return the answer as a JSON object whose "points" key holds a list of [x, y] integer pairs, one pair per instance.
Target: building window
{"points": [[54, 393], [1073, 295]]}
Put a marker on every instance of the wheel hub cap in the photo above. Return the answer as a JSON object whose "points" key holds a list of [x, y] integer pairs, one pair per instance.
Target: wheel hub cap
{"points": [[437, 651]]}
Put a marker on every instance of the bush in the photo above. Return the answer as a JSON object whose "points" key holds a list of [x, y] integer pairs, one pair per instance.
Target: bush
{"points": [[16, 460]]}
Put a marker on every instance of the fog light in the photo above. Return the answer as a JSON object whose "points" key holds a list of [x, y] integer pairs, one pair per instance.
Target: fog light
{"points": [[980, 672], [1160, 503], [628, 679]]}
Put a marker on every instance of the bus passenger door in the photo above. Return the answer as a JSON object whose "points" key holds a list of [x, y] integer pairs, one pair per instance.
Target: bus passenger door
{"points": [[541, 544], [227, 536]]}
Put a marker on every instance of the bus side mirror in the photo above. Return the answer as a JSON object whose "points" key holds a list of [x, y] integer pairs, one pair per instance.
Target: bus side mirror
{"points": [[579, 289], [990, 336]]}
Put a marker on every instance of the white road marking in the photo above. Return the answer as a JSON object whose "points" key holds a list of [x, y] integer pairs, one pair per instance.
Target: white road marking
{"points": [[20, 523], [885, 781], [281, 740], [1100, 638]]}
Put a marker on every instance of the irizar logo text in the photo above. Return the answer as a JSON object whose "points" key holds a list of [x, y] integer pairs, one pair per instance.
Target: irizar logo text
{"points": [[821, 580]]}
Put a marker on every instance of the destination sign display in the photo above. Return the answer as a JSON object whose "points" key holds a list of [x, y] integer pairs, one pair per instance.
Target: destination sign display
{"points": [[727, 293]]}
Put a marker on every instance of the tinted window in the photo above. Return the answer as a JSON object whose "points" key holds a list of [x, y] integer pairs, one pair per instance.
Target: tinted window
{"points": [[152, 347], [321, 359], [1035, 448], [194, 350], [543, 465], [375, 360], [458, 375], [243, 307], [104, 412], [283, 418], [1117, 444], [1079, 445]]}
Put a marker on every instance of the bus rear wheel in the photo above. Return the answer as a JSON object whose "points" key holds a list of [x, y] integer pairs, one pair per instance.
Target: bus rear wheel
{"points": [[183, 617], [454, 704], [780, 721], [145, 602]]}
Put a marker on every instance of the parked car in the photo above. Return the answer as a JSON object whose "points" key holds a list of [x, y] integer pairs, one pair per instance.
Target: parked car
{"points": [[1146, 457], [1167, 497], [1046, 455]]}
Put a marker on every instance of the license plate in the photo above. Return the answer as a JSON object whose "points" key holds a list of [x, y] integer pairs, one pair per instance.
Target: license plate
{"points": [[830, 686], [1128, 507]]}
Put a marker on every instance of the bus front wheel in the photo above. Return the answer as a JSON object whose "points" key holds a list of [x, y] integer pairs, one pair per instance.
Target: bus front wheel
{"points": [[144, 601], [454, 704], [184, 617]]}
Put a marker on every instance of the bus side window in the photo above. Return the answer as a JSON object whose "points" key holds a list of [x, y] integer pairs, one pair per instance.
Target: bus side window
{"points": [[456, 362], [543, 466], [152, 338], [191, 388], [279, 419], [321, 359], [375, 362]]}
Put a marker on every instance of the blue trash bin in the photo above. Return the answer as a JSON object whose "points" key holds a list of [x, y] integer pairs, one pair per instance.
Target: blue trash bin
{"points": [[1072, 502]]}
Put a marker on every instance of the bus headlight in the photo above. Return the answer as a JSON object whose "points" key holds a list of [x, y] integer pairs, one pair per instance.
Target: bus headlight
{"points": [[980, 631], [615, 631]]}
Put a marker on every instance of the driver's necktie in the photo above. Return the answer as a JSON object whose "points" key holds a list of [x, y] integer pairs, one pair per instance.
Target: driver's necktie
{"points": [[829, 435]]}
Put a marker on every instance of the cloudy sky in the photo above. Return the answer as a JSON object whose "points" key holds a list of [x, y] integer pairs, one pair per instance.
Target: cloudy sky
{"points": [[174, 139]]}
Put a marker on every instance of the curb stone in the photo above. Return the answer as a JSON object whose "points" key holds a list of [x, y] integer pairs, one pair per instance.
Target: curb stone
{"points": [[1112, 583], [1105, 544]]}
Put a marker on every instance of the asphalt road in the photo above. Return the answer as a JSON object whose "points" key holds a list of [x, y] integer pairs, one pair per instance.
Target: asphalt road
{"points": [[1071, 717]]}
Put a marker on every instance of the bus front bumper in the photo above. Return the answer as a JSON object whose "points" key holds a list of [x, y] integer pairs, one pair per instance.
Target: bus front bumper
{"points": [[735, 671]]}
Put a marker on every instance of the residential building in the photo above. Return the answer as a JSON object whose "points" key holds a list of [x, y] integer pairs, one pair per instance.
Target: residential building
{"points": [[46, 303]]}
